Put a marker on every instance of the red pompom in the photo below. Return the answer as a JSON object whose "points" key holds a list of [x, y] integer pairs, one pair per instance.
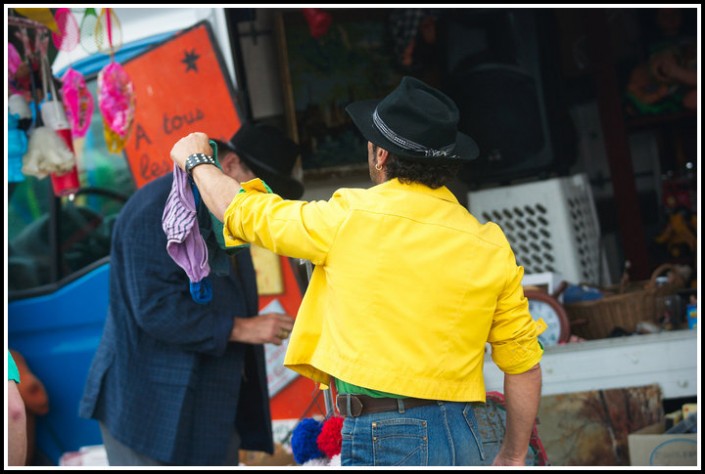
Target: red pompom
{"points": [[330, 440]]}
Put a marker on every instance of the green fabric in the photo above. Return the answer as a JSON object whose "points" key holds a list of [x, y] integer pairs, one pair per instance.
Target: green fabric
{"points": [[13, 372], [344, 387]]}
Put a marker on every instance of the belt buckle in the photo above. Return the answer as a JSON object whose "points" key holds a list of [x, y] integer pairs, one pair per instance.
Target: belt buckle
{"points": [[351, 405]]}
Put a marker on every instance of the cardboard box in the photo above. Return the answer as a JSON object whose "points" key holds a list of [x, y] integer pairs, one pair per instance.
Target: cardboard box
{"points": [[651, 447]]}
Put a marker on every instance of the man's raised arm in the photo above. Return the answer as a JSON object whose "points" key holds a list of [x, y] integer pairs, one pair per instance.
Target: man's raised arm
{"points": [[216, 188]]}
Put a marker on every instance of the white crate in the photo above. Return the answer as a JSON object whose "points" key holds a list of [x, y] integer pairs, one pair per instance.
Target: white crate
{"points": [[552, 225]]}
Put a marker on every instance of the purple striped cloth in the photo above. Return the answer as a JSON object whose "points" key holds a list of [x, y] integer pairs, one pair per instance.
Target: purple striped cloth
{"points": [[185, 243]]}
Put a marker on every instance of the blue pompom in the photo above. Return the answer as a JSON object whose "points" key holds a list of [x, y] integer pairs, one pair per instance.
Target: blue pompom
{"points": [[303, 440]]}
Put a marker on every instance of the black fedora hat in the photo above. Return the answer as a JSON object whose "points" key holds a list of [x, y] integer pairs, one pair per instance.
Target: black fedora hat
{"points": [[415, 121], [270, 155]]}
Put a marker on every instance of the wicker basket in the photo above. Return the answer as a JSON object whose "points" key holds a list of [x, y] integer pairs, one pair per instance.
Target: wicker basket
{"points": [[625, 307]]}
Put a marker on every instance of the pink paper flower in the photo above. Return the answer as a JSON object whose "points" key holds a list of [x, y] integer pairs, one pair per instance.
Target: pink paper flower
{"points": [[117, 105], [78, 102]]}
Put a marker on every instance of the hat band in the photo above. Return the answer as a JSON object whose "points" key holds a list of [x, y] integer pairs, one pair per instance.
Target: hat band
{"points": [[407, 144]]}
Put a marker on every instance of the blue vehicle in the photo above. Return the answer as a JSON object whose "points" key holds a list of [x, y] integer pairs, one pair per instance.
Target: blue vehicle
{"points": [[58, 267], [58, 250]]}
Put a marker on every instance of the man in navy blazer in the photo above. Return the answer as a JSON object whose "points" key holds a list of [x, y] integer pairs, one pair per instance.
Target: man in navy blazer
{"points": [[175, 381]]}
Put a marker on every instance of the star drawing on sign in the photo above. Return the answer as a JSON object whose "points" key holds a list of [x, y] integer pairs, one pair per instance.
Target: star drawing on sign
{"points": [[190, 58]]}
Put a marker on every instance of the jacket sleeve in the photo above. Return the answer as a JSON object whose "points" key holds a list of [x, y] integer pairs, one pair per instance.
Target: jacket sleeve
{"points": [[297, 229], [514, 333], [157, 291]]}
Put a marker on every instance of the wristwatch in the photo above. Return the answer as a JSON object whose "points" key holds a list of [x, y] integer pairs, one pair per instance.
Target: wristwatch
{"points": [[197, 159]]}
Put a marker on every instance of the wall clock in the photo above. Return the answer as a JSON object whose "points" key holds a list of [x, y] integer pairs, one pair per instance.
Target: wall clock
{"points": [[542, 305]]}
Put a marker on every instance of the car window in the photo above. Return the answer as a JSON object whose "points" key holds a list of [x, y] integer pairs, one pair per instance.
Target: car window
{"points": [[52, 239], [84, 220]]}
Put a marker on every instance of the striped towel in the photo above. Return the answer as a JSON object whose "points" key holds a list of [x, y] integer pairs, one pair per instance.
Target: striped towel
{"points": [[185, 244]]}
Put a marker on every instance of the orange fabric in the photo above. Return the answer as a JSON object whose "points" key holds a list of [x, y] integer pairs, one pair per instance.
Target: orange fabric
{"points": [[31, 388]]}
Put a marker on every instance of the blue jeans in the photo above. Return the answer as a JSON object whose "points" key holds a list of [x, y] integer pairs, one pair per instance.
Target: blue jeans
{"points": [[439, 434]]}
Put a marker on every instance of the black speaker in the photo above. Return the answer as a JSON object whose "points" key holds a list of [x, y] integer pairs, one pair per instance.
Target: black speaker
{"points": [[504, 75]]}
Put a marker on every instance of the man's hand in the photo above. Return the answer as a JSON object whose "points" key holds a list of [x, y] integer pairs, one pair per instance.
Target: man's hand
{"points": [[196, 142], [270, 328]]}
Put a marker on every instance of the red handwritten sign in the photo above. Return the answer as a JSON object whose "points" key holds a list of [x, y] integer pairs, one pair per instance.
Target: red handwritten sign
{"points": [[181, 86]]}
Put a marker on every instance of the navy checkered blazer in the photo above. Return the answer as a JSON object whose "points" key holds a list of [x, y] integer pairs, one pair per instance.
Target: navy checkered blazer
{"points": [[165, 380]]}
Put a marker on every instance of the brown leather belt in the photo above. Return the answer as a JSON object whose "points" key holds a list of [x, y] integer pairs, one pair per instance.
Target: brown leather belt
{"points": [[364, 404]]}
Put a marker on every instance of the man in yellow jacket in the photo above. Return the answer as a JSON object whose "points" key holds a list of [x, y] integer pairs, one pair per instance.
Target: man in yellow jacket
{"points": [[408, 289]]}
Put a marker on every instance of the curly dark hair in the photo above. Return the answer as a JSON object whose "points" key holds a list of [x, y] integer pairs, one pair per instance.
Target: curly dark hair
{"points": [[409, 171]]}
